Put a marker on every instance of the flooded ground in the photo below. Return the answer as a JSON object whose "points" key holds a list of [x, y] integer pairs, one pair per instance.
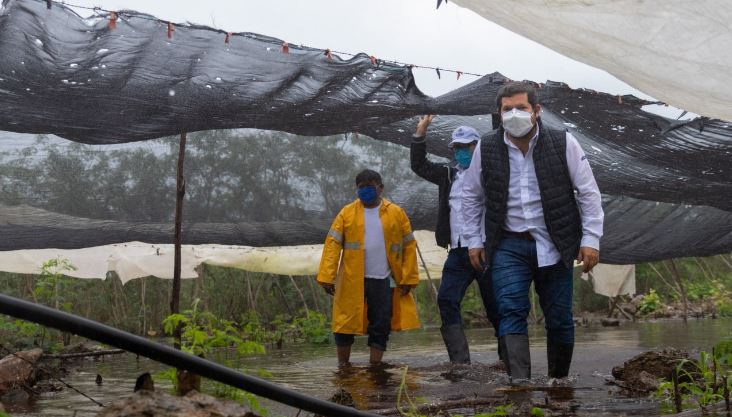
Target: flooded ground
{"points": [[312, 369]]}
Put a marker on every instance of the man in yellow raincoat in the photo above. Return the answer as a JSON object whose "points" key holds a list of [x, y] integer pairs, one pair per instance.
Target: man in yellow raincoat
{"points": [[369, 264]]}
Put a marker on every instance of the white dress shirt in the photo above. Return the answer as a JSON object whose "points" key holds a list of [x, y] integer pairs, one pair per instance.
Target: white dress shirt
{"points": [[457, 223], [525, 212], [375, 262]]}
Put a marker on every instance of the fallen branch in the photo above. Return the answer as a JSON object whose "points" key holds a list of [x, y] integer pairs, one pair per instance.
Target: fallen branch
{"points": [[83, 354]]}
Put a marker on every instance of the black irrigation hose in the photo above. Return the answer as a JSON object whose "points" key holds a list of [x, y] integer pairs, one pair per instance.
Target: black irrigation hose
{"points": [[165, 354]]}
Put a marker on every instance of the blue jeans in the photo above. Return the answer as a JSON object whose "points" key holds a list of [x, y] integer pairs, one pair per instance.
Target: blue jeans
{"points": [[514, 266], [457, 275], [378, 294]]}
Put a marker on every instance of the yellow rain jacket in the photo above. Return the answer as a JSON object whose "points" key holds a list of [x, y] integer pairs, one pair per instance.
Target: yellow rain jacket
{"points": [[342, 264]]}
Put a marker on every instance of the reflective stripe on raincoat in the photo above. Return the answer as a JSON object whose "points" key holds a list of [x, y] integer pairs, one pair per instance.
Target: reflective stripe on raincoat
{"points": [[342, 264]]}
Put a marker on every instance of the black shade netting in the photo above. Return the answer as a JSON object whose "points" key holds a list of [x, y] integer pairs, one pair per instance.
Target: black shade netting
{"points": [[667, 183]]}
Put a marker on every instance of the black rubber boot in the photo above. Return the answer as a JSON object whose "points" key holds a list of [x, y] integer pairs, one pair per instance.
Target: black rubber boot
{"points": [[502, 352], [517, 357], [456, 343], [559, 358]]}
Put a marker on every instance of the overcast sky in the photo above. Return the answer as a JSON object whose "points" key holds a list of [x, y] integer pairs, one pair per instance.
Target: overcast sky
{"points": [[406, 30]]}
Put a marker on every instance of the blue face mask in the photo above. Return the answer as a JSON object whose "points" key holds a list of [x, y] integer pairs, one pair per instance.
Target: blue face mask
{"points": [[367, 194], [463, 157]]}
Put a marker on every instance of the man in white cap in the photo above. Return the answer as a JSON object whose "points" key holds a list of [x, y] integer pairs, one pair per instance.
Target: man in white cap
{"points": [[457, 274]]}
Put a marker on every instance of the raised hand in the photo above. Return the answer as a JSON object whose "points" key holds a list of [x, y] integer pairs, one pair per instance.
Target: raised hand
{"points": [[424, 123]]}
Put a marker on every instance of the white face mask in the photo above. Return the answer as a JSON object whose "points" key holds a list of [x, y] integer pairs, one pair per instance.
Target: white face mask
{"points": [[517, 122]]}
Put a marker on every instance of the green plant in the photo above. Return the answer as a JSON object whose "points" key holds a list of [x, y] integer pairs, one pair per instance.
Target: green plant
{"points": [[500, 411], [702, 290], [51, 285], [226, 391], [252, 328], [701, 382], [50, 288], [21, 334], [651, 302], [313, 328], [536, 412], [169, 375], [201, 332]]}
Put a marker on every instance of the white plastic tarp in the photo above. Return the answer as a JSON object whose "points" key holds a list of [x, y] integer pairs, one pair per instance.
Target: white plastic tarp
{"points": [[136, 259], [677, 51], [612, 280]]}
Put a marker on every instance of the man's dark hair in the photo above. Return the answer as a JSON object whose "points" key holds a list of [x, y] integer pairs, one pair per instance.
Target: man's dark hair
{"points": [[368, 176], [517, 87]]}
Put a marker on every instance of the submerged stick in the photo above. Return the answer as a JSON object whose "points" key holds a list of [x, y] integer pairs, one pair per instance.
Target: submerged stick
{"points": [[83, 354]]}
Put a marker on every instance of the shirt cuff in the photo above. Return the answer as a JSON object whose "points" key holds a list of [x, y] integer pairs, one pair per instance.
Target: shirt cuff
{"points": [[418, 139], [590, 241], [475, 243]]}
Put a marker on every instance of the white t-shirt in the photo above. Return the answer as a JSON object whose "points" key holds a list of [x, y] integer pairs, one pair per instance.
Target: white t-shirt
{"points": [[375, 262], [457, 223]]}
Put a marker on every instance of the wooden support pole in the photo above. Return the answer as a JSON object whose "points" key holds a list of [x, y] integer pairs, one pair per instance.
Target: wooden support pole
{"points": [[682, 288], [180, 187], [143, 310]]}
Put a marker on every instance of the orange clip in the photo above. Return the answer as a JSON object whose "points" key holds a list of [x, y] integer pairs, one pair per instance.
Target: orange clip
{"points": [[170, 30], [328, 54], [227, 39], [374, 60], [112, 20], [285, 48], [459, 73]]}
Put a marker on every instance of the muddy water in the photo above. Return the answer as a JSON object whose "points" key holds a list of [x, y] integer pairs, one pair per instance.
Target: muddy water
{"points": [[311, 369]]}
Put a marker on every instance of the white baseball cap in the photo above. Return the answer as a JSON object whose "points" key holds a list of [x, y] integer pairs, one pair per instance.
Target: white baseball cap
{"points": [[464, 134]]}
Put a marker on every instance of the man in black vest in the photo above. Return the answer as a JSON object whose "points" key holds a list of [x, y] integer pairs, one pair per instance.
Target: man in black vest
{"points": [[458, 273], [542, 211]]}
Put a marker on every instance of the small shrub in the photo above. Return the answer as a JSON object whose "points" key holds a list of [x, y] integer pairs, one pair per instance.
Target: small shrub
{"points": [[651, 303], [706, 382]]}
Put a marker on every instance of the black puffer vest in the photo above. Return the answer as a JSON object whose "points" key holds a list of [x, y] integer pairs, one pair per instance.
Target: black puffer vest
{"points": [[561, 212]]}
